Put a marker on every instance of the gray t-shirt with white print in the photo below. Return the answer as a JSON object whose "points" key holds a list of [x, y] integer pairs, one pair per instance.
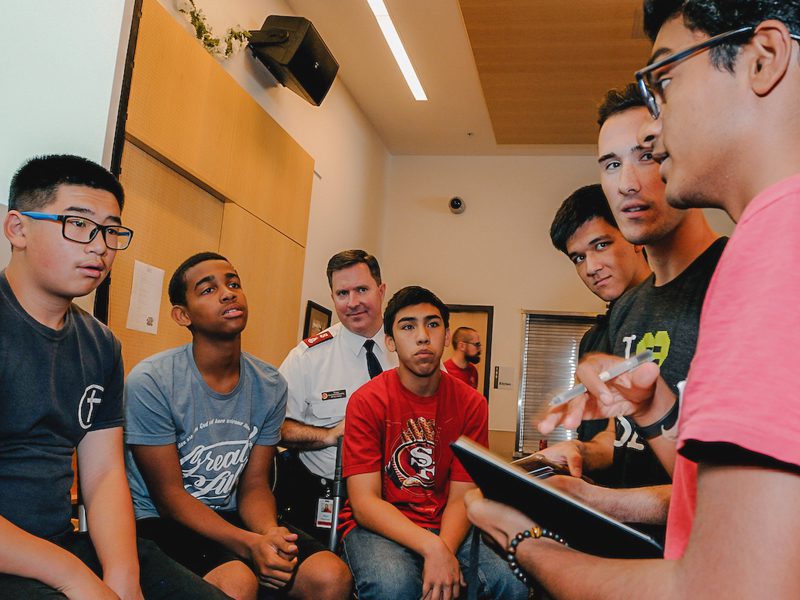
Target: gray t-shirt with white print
{"points": [[167, 402]]}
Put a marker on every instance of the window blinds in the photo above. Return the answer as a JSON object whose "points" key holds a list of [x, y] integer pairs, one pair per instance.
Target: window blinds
{"points": [[549, 359]]}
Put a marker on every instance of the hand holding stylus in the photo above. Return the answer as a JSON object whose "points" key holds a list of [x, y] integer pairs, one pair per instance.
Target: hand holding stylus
{"points": [[610, 387]]}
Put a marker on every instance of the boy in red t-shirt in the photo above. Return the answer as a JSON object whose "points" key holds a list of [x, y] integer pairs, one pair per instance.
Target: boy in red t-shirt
{"points": [[405, 526]]}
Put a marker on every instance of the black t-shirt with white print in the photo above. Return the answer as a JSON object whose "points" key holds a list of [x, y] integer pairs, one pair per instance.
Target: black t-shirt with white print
{"points": [[666, 320], [55, 386]]}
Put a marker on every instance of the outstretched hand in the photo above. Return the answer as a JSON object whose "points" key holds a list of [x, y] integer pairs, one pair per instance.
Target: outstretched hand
{"points": [[630, 394]]}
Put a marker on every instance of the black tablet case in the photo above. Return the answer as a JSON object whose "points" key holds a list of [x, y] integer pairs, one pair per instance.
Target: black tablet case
{"points": [[582, 527]]}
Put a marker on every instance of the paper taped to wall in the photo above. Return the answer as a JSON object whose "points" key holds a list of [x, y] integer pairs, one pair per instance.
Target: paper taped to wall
{"points": [[145, 298]]}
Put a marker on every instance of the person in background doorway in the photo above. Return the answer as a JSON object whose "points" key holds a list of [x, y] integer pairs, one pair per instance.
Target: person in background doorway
{"points": [[466, 354]]}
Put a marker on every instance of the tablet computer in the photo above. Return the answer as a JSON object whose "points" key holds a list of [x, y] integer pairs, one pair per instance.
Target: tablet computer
{"points": [[582, 527]]}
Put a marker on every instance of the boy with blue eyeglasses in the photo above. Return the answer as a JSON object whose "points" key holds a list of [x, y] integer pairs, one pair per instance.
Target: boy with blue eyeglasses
{"points": [[61, 391]]}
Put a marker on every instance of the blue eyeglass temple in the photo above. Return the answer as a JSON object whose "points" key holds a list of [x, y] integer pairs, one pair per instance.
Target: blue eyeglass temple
{"points": [[40, 216]]}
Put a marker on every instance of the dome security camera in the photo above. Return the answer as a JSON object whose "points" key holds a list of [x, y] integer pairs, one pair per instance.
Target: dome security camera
{"points": [[456, 205]]}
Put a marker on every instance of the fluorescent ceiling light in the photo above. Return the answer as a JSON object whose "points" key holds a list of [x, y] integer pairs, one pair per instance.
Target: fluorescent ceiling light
{"points": [[396, 46]]}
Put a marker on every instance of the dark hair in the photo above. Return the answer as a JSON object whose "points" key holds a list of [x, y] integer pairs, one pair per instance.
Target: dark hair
{"points": [[617, 101], [411, 296], [713, 17], [35, 183], [460, 334], [177, 283], [348, 258], [582, 205]]}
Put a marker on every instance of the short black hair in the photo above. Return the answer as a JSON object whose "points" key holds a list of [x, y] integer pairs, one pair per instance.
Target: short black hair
{"points": [[411, 296], [177, 283], [35, 183], [459, 335], [348, 258], [581, 206], [713, 17], [616, 101]]}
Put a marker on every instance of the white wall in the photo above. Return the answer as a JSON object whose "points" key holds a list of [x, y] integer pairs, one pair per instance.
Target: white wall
{"points": [[350, 159], [61, 72], [61, 95], [498, 252]]}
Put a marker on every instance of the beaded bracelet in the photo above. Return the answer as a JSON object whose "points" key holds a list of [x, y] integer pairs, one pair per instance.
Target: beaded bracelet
{"points": [[534, 532]]}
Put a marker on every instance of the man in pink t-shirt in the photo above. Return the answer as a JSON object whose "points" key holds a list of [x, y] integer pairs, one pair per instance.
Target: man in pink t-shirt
{"points": [[722, 86], [405, 524], [466, 354]]}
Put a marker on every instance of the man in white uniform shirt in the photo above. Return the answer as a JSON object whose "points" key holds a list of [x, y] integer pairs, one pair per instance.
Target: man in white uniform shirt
{"points": [[323, 371]]}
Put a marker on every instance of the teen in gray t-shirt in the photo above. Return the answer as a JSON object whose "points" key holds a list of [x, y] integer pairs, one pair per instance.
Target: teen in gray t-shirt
{"points": [[167, 402], [202, 422]]}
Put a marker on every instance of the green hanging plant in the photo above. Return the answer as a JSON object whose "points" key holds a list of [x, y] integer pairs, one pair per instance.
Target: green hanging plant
{"points": [[226, 47], [234, 40]]}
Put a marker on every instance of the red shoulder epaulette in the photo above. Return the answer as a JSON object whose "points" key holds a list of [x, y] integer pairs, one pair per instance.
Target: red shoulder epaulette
{"points": [[318, 339]]}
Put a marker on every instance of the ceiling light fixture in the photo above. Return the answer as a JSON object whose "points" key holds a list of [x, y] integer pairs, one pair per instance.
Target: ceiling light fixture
{"points": [[396, 46]]}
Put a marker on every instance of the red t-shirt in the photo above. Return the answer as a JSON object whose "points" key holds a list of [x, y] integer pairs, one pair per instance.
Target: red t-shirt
{"points": [[468, 375], [407, 439], [741, 387]]}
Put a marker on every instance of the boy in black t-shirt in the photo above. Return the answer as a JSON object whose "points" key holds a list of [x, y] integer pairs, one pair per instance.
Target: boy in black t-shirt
{"points": [[661, 314], [61, 390], [585, 230]]}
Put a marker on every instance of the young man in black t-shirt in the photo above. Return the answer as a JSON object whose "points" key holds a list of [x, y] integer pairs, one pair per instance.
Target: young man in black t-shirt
{"points": [[722, 85], [61, 390], [661, 314], [585, 229]]}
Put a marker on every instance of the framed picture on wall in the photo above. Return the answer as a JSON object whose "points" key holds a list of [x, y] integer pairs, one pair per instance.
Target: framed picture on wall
{"points": [[318, 318]]}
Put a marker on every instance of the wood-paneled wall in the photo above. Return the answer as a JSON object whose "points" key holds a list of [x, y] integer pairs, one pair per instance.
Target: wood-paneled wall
{"points": [[172, 219], [206, 168], [187, 108], [271, 267]]}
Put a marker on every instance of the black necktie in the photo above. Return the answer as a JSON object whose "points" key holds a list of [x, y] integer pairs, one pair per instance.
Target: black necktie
{"points": [[373, 366]]}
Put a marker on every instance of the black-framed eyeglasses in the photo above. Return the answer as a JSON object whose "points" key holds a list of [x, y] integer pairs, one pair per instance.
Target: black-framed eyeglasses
{"points": [[476, 344], [83, 230], [645, 78]]}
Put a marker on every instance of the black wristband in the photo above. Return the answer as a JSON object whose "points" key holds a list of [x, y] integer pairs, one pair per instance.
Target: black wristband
{"points": [[661, 426]]}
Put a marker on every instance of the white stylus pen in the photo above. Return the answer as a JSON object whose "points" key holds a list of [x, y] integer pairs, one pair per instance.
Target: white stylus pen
{"points": [[615, 371]]}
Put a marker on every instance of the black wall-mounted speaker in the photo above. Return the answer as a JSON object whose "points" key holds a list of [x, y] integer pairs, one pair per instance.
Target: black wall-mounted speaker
{"points": [[293, 51]]}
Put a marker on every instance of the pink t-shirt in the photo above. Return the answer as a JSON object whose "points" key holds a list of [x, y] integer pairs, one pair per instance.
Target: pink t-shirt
{"points": [[742, 385]]}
